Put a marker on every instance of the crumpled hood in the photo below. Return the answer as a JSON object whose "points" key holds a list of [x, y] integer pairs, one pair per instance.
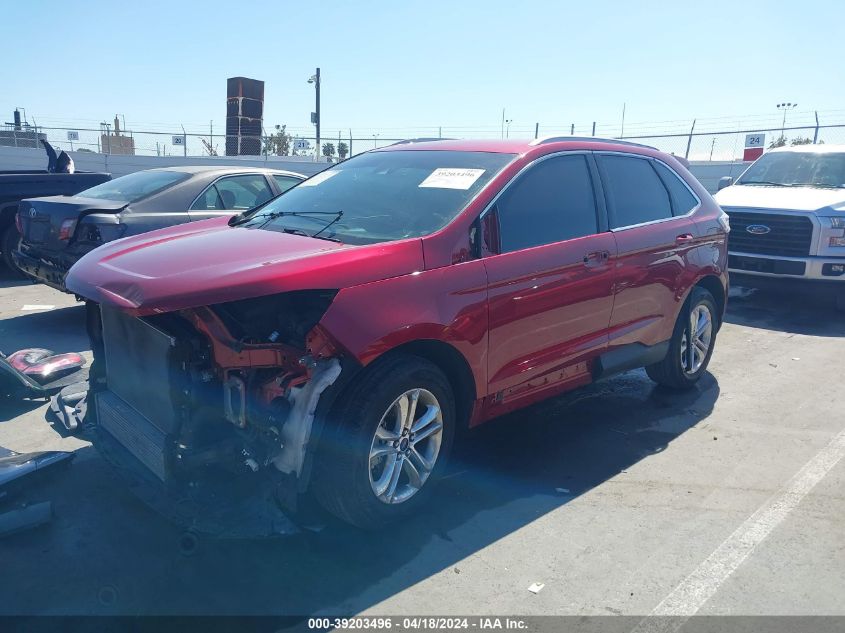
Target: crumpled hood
{"points": [[207, 262], [785, 198]]}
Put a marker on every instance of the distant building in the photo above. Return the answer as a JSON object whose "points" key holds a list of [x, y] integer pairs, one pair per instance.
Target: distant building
{"points": [[19, 134], [117, 143]]}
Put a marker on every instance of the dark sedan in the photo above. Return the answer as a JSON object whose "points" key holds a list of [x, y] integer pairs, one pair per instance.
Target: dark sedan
{"points": [[58, 230]]}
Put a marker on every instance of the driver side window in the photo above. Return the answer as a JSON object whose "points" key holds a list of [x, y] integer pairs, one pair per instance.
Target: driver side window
{"points": [[551, 202]]}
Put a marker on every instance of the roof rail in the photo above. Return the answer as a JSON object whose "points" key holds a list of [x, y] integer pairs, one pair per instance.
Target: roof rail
{"points": [[583, 139], [423, 139]]}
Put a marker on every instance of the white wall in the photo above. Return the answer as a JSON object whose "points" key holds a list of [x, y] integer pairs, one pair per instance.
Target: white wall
{"points": [[118, 165], [708, 173]]}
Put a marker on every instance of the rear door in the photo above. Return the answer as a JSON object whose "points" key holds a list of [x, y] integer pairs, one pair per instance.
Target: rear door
{"points": [[550, 287], [655, 235], [231, 194]]}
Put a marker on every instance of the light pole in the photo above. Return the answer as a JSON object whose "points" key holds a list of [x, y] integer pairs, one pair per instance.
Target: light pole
{"points": [[786, 107], [508, 127], [375, 137], [315, 79]]}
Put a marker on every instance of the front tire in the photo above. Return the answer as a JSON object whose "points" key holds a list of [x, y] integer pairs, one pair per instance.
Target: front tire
{"points": [[388, 439], [692, 343]]}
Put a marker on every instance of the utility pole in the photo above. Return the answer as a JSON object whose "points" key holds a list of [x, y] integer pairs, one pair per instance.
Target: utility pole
{"points": [[536, 130], [184, 142], [503, 123], [315, 79]]}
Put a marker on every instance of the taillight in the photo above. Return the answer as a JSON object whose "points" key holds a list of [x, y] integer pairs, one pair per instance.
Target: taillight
{"points": [[66, 230]]}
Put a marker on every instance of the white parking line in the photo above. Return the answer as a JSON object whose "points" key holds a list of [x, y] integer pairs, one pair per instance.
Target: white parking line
{"points": [[691, 594], [37, 306]]}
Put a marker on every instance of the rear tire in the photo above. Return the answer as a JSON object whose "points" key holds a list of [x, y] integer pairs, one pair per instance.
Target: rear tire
{"points": [[688, 357], [373, 445], [9, 242]]}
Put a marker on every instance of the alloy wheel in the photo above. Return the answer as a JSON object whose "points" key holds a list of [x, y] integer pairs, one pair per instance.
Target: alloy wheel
{"points": [[405, 447], [696, 339]]}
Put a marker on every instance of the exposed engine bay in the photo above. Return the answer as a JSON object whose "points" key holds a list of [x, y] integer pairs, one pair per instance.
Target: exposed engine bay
{"points": [[223, 391]]}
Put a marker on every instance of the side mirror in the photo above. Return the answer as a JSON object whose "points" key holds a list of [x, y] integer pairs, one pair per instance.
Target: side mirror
{"points": [[725, 181]]}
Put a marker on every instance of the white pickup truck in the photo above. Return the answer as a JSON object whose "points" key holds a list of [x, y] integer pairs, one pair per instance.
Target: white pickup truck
{"points": [[787, 214]]}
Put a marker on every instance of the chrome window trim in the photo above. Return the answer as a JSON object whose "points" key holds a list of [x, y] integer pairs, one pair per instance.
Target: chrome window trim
{"points": [[662, 162]]}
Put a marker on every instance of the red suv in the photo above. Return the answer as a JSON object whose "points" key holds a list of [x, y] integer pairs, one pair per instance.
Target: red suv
{"points": [[335, 339]]}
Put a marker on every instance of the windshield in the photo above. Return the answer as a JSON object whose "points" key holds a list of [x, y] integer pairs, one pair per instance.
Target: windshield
{"points": [[383, 196], [790, 169], [134, 187]]}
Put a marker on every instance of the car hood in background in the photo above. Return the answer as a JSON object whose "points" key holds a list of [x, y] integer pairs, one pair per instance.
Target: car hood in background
{"points": [[786, 198], [209, 262]]}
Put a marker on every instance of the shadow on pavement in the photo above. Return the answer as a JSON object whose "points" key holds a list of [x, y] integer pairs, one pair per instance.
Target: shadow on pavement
{"points": [[503, 477], [61, 330], [785, 312]]}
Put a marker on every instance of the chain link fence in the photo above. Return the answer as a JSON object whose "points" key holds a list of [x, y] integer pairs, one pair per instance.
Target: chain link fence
{"points": [[694, 144]]}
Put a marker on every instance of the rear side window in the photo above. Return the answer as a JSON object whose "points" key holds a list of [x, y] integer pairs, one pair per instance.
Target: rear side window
{"points": [[635, 194], [136, 186], [286, 182], [683, 200], [208, 200], [240, 193], [552, 202]]}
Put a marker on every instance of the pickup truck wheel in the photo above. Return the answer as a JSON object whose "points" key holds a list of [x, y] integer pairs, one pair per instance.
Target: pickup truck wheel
{"points": [[9, 242], [388, 440], [692, 343]]}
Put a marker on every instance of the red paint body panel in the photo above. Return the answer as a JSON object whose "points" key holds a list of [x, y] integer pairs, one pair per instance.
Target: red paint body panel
{"points": [[529, 324], [208, 262]]}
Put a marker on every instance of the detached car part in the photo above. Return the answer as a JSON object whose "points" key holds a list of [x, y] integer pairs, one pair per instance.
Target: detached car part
{"points": [[25, 518], [38, 373], [17, 468]]}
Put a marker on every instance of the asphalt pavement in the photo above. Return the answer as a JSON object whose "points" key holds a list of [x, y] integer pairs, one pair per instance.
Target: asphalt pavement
{"points": [[621, 498]]}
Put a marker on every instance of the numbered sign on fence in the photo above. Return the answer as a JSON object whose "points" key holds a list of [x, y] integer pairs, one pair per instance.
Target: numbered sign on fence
{"points": [[72, 135], [754, 145], [178, 140]]}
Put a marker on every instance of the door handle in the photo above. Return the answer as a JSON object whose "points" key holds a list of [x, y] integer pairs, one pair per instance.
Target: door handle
{"points": [[596, 258], [684, 237]]}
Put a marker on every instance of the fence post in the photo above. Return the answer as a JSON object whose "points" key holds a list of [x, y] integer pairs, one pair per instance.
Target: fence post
{"points": [[350, 142], [816, 135], [689, 140]]}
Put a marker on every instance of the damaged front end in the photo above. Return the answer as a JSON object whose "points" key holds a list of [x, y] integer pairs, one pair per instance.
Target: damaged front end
{"points": [[210, 410]]}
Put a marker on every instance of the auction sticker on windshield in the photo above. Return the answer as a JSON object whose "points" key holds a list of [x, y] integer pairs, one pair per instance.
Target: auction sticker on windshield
{"points": [[321, 177], [450, 178]]}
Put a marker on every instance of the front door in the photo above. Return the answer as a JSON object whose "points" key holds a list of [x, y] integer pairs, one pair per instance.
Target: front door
{"points": [[550, 287]]}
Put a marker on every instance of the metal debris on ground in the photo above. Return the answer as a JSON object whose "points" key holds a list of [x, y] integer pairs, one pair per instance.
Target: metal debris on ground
{"points": [[536, 587], [25, 518]]}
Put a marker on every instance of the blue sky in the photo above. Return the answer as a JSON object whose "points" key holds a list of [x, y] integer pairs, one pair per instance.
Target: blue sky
{"points": [[410, 67]]}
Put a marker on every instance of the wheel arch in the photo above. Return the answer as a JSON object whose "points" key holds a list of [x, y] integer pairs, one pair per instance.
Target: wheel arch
{"points": [[714, 285], [444, 356]]}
